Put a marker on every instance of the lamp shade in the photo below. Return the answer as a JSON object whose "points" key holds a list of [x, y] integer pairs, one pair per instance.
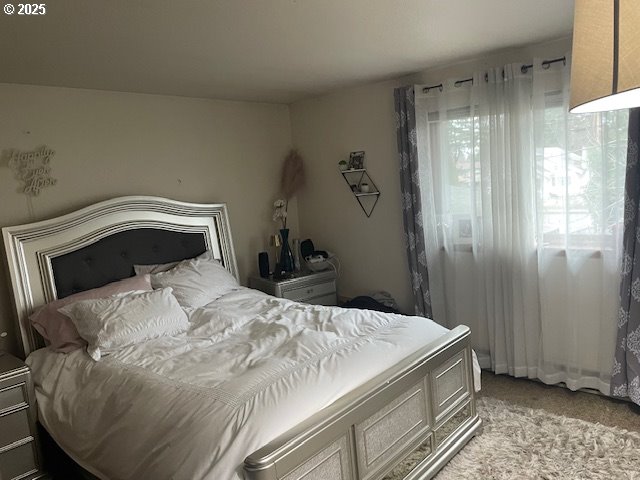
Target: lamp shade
{"points": [[605, 64]]}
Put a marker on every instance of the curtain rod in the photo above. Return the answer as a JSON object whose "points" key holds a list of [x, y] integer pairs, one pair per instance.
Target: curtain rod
{"points": [[545, 64]]}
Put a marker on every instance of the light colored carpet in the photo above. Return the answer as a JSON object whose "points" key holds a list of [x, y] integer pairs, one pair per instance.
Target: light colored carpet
{"points": [[525, 443], [561, 401]]}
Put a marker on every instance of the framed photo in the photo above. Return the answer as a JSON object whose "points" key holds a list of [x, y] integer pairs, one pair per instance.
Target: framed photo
{"points": [[356, 160], [462, 230]]}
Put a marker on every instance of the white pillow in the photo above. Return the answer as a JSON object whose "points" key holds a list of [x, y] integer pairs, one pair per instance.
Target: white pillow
{"points": [[115, 322], [196, 282], [163, 267], [154, 268]]}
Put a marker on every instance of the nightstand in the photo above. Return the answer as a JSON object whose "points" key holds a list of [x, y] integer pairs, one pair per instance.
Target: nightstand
{"points": [[318, 288], [19, 452]]}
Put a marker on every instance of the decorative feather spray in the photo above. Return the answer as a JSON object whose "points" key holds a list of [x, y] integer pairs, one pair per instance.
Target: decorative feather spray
{"points": [[292, 178]]}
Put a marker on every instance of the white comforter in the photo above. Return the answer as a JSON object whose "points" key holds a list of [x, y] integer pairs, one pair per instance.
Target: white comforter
{"points": [[195, 405]]}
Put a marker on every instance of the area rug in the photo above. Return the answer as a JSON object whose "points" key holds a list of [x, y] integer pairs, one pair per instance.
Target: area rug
{"points": [[524, 443]]}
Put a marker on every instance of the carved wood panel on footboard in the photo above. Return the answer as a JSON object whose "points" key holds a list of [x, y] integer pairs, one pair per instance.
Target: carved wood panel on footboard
{"points": [[406, 423]]}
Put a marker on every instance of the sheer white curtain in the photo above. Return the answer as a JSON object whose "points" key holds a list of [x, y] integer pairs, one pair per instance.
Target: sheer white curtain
{"points": [[522, 206]]}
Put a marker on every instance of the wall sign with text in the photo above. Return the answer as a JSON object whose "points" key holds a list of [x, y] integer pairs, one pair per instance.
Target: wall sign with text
{"points": [[32, 168]]}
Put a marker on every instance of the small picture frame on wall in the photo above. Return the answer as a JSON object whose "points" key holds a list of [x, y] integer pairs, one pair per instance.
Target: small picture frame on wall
{"points": [[356, 160]]}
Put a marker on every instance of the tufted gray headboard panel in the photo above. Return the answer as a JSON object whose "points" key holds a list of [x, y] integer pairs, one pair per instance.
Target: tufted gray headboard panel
{"points": [[112, 258]]}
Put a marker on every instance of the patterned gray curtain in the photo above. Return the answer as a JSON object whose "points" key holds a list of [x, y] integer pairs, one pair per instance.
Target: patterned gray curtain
{"points": [[625, 377], [411, 200]]}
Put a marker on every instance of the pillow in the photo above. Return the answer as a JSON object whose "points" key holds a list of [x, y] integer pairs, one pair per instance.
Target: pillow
{"points": [[196, 282], [59, 330], [163, 267], [154, 268], [115, 322]]}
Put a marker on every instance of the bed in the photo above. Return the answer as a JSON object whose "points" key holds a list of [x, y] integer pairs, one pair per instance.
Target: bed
{"points": [[321, 393]]}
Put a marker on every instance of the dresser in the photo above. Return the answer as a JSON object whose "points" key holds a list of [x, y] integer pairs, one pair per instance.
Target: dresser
{"points": [[318, 288], [19, 452]]}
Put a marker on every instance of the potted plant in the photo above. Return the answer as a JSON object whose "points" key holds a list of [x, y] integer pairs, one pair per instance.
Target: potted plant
{"points": [[342, 164]]}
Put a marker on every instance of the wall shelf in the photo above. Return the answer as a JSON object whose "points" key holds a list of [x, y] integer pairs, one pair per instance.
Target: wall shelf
{"points": [[358, 179]]}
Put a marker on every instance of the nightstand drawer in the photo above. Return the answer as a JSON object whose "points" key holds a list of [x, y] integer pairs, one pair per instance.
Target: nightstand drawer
{"points": [[18, 462], [310, 291], [19, 457], [316, 288], [330, 300], [13, 397], [13, 427]]}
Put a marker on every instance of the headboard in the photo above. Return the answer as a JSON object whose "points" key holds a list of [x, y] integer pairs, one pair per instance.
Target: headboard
{"points": [[100, 244]]}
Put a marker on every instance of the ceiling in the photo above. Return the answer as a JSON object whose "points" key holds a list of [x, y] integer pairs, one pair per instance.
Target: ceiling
{"points": [[260, 50]]}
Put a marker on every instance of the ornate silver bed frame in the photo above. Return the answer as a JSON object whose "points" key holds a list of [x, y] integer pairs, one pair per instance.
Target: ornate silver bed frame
{"points": [[406, 423]]}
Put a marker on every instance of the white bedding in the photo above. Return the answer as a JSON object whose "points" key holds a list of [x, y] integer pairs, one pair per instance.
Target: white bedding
{"points": [[193, 406]]}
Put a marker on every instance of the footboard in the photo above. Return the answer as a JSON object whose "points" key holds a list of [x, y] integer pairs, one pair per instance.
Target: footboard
{"points": [[406, 423]]}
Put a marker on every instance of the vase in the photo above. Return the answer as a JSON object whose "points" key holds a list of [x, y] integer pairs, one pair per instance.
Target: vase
{"points": [[286, 257]]}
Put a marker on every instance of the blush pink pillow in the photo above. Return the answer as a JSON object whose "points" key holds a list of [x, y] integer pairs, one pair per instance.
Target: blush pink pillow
{"points": [[59, 330]]}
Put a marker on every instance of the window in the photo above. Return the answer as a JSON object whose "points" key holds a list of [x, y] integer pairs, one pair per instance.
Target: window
{"points": [[455, 151], [582, 170], [579, 164]]}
